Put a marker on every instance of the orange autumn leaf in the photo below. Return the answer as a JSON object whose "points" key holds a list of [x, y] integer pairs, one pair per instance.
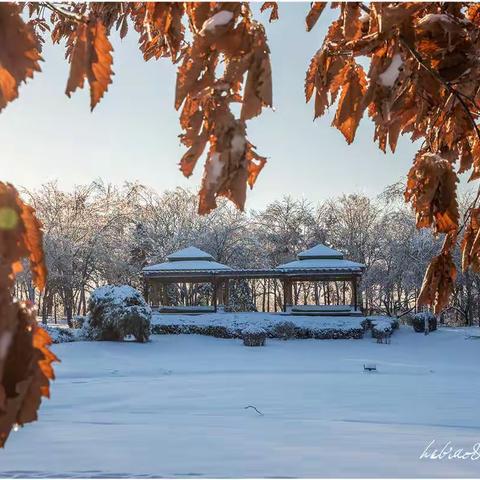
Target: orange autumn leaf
{"points": [[27, 372], [350, 106], [91, 58], [255, 165], [316, 10], [431, 188], [273, 6], [258, 85], [25, 360], [33, 238], [19, 52], [205, 97], [438, 282], [78, 60]]}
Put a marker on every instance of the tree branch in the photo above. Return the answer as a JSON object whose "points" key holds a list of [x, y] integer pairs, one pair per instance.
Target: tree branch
{"points": [[64, 13], [255, 408]]}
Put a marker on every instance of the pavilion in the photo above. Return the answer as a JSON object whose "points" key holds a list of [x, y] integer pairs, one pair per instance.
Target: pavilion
{"points": [[318, 264], [189, 265], [194, 266]]}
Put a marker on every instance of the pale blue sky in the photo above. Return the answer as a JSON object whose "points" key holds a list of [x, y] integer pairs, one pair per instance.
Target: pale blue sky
{"points": [[133, 132]]}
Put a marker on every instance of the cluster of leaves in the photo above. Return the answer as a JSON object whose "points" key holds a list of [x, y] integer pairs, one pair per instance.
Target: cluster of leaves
{"points": [[225, 61], [423, 80], [25, 360]]}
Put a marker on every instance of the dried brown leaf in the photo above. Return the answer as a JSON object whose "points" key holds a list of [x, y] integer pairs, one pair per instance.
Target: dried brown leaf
{"points": [[274, 10], [350, 106], [438, 282], [19, 52], [90, 58], [316, 10], [431, 188]]}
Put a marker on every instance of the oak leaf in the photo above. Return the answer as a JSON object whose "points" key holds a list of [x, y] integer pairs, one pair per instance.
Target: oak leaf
{"points": [[316, 10], [25, 360], [438, 282], [33, 238], [258, 86], [431, 188], [91, 59], [27, 372], [350, 105], [19, 52]]}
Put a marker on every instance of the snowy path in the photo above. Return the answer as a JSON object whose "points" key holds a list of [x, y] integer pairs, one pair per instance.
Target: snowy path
{"points": [[175, 407]]}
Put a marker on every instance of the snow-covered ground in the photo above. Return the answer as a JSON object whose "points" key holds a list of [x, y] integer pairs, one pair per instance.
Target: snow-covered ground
{"points": [[176, 407]]}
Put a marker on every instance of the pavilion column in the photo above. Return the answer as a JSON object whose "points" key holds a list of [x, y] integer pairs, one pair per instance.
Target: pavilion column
{"points": [[226, 292], [287, 294], [217, 293], [214, 297], [146, 290], [354, 293], [164, 294]]}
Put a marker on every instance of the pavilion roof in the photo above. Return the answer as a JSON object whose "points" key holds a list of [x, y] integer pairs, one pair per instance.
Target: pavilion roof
{"points": [[321, 258], [189, 253], [189, 259], [320, 251]]}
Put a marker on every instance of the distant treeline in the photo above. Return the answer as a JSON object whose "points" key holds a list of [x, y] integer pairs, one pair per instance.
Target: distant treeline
{"points": [[98, 234]]}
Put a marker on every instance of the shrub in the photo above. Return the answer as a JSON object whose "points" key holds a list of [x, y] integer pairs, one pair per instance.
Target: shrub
{"points": [[59, 334], [366, 324], [285, 330], [254, 336], [418, 321], [395, 323], [382, 329], [116, 313]]}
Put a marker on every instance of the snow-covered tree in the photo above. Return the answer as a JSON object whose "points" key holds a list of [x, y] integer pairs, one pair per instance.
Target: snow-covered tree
{"points": [[117, 312]]}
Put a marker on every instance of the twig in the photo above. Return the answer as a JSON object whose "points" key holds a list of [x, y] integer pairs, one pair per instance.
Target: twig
{"points": [[255, 408], [406, 313], [365, 8], [63, 13]]}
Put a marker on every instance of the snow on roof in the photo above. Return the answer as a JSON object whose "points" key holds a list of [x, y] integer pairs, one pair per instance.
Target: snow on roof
{"points": [[189, 259], [321, 264], [187, 266], [189, 253], [321, 257], [320, 251]]}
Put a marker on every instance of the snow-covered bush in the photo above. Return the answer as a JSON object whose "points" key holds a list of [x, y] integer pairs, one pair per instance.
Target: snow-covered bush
{"points": [[285, 330], [254, 336], [419, 321], [59, 334], [117, 312], [382, 329]]}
